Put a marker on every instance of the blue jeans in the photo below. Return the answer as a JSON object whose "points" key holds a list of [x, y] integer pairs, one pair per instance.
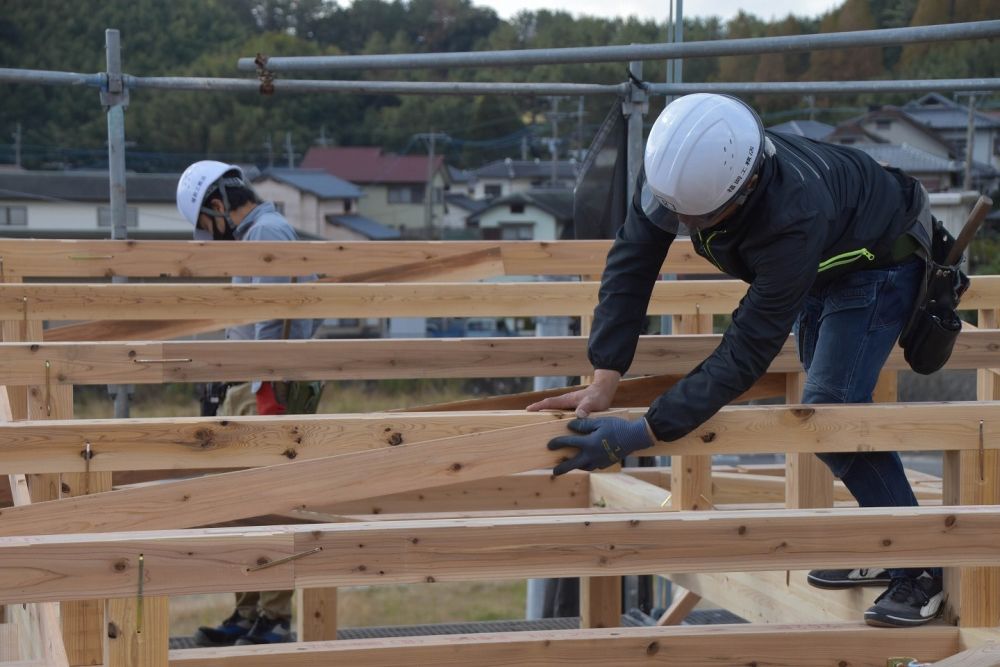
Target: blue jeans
{"points": [[844, 334]]}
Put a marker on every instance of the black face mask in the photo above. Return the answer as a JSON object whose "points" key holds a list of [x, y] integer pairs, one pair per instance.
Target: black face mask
{"points": [[226, 235]]}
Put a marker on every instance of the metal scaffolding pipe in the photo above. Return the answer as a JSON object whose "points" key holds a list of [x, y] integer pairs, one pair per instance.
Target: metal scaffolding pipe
{"points": [[375, 87], [596, 54], [569, 89], [826, 87], [48, 78]]}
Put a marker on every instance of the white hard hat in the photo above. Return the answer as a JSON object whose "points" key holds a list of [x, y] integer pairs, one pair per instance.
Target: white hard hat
{"points": [[701, 153], [196, 182]]}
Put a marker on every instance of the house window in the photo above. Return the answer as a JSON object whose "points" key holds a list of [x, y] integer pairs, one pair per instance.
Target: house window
{"points": [[492, 191], [348, 205], [406, 194], [517, 208], [279, 206], [13, 216], [516, 231], [104, 216]]}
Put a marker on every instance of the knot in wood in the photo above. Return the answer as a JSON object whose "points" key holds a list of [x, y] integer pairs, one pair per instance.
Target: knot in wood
{"points": [[395, 439], [803, 413], [289, 453], [708, 437], [950, 521], [653, 648], [121, 565]]}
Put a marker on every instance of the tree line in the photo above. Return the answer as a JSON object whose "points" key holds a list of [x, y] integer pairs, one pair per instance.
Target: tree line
{"points": [[62, 127]]}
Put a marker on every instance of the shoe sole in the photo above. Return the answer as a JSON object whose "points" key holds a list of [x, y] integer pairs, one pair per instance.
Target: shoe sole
{"points": [[846, 583], [893, 622]]}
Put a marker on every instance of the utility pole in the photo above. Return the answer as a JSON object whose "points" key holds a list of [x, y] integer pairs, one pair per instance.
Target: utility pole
{"points": [[17, 146], [579, 127], [431, 138], [970, 137], [554, 145], [269, 145], [323, 141], [289, 151]]}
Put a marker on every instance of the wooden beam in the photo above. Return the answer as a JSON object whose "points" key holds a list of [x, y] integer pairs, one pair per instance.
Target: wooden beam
{"points": [[631, 392], [213, 442], [777, 597], [984, 656], [58, 567], [203, 361], [296, 485], [193, 259], [679, 609], [679, 646], [136, 634], [316, 614], [234, 442], [211, 301]]}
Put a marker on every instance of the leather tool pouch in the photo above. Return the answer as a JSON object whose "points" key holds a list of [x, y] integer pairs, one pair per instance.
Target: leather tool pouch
{"points": [[929, 336]]}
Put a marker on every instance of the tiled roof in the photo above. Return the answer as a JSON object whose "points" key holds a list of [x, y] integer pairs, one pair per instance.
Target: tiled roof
{"points": [[359, 224], [315, 181], [368, 165], [91, 186]]}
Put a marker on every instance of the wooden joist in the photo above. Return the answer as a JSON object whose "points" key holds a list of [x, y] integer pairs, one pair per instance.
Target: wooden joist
{"points": [[76, 566], [217, 442], [205, 361], [192, 259]]}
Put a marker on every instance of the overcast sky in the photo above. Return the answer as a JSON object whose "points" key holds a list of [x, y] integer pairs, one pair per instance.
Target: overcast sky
{"points": [[659, 9]]}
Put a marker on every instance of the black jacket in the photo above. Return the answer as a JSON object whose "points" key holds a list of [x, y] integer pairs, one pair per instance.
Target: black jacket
{"points": [[818, 211]]}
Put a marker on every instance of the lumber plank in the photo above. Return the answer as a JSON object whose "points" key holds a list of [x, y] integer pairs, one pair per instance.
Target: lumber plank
{"points": [[137, 632], [214, 442], [698, 299], [682, 605], [631, 392], [984, 656], [233, 442], [47, 567], [193, 259], [295, 485], [679, 646], [203, 361], [316, 614]]}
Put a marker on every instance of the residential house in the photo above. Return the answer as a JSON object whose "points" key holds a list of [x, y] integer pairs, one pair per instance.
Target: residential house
{"points": [[951, 121], [348, 227], [539, 215], [309, 198], [394, 186], [457, 209], [76, 204], [505, 177]]}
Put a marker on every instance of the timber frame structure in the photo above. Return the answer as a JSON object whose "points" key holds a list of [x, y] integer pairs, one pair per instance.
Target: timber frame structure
{"points": [[88, 557], [90, 550]]}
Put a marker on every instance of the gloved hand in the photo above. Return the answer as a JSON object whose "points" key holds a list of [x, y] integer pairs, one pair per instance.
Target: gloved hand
{"points": [[603, 441]]}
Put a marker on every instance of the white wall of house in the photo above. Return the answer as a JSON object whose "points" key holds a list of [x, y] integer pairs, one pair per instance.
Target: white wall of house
{"points": [[304, 211], [52, 216], [399, 214], [541, 224], [899, 132]]}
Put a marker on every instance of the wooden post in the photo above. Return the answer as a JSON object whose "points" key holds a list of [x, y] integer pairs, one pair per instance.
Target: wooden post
{"points": [[316, 614], [136, 632], [808, 481], [973, 478]]}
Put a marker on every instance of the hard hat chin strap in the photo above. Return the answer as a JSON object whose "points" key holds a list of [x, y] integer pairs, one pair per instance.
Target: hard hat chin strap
{"points": [[226, 215]]}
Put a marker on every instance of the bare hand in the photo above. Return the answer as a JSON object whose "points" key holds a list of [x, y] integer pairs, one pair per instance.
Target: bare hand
{"points": [[595, 397]]}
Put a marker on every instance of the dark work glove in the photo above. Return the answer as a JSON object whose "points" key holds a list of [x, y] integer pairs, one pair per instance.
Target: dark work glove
{"points": [[603, 441]]}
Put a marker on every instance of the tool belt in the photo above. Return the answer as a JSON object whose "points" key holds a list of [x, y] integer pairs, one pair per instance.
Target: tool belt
{"points": [[929, 336], [299, 398]]}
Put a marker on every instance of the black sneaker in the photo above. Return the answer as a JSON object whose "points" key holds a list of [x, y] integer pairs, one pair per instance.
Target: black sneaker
{"points": [[226, 634], [909, 601], [865, 576], [267, 631]]}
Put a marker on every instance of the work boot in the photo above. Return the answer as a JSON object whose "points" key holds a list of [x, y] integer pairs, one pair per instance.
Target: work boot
{"points": [[909, 601], [226, 634], [267, 631], [865, 576]]}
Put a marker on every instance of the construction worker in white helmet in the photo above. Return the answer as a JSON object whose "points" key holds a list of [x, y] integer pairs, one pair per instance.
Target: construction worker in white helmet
{"points": [[221, 205], [832, 246]]}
